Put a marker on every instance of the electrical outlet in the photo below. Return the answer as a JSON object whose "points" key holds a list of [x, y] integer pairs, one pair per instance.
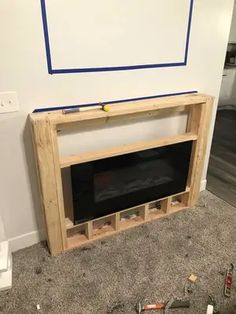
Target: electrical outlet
{"points": [[8, 102]]}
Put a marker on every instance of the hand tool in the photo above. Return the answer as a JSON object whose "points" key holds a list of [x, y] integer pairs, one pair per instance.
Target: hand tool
{"points": [[86, 108], [210, 309], [159, 306], [212, 306], [228, 281]]}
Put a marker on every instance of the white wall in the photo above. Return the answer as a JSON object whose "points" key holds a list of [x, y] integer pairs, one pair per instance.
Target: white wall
{"points": [[133, 30], [23, 69]]}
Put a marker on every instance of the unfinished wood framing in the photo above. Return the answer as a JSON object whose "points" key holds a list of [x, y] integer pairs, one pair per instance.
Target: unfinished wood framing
{"points": [[61, 233]]}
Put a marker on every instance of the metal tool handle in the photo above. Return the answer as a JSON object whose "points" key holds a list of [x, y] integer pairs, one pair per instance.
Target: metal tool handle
{"points": [[180, 304]]}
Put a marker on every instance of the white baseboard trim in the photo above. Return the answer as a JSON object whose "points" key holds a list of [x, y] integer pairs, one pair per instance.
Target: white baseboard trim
{"points": [[34, 237], [4, 256], [203, 185], [25, 240], [6, 276]]}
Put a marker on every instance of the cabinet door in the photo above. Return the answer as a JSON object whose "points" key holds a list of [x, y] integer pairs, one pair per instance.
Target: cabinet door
{"points": [[227, 87], [232, 36]]}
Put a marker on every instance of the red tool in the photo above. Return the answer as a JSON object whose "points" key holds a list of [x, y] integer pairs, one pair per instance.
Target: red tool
{"points": [[159, 306], [149, 307], [229, 280]]}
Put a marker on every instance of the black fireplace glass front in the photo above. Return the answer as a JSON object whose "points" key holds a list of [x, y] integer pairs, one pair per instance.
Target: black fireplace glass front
{"points": [[112, 184]]}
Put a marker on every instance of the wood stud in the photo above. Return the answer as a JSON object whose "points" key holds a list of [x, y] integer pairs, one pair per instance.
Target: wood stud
{"points": [[166, 205], [89, 230]]}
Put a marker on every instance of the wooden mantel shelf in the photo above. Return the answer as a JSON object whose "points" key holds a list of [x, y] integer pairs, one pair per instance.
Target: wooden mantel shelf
{"points": [[120, 109], [125, 149], [45, 126]]}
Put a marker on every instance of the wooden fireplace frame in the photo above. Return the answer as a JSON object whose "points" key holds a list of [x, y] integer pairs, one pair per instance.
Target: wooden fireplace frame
{"points": [[61, 233]]}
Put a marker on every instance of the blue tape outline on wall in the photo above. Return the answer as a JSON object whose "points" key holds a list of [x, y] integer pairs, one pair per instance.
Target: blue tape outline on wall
{"points": [[103, 69]]}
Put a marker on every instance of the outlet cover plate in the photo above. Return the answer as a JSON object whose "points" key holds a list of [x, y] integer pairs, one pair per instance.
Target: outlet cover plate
{"points": [[8, 102]]}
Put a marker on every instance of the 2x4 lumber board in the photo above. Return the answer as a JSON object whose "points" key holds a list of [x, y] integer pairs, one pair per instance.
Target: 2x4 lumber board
{"points": [[67, 193], [185, 198], [137, 116], [201, 118], [115, 221], [59, 187], [166, 204], [118, 221], [195, 116], [145, 212], [193, 125], [126, 108], [89, 230], [50, 183], [125, 149]]}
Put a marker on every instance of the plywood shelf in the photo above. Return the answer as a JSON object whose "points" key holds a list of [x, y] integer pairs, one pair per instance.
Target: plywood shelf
{"points": [[63, 235], [125, 149]]}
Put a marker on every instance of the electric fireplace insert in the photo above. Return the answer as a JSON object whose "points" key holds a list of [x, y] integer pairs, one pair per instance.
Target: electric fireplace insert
{"points": [[105, 186]]}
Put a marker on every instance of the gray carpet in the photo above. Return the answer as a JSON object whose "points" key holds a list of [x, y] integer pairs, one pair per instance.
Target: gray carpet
{"points": [[149, 262]]}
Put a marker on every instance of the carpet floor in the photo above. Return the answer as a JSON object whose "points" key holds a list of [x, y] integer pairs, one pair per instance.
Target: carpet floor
{"points": [[151, 262]]}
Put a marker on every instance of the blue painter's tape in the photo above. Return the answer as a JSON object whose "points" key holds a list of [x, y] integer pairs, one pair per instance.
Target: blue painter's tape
{"points": [[188, 32], [116, 68], [120, 68], [46, 36], [113, 101]]}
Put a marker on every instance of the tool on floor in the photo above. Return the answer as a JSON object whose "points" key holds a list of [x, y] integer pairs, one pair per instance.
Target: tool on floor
{"points": [[210, 309], [160, 306], [87, 108], [149, 307], [228, 281], [212, 306], [168, 305]]}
